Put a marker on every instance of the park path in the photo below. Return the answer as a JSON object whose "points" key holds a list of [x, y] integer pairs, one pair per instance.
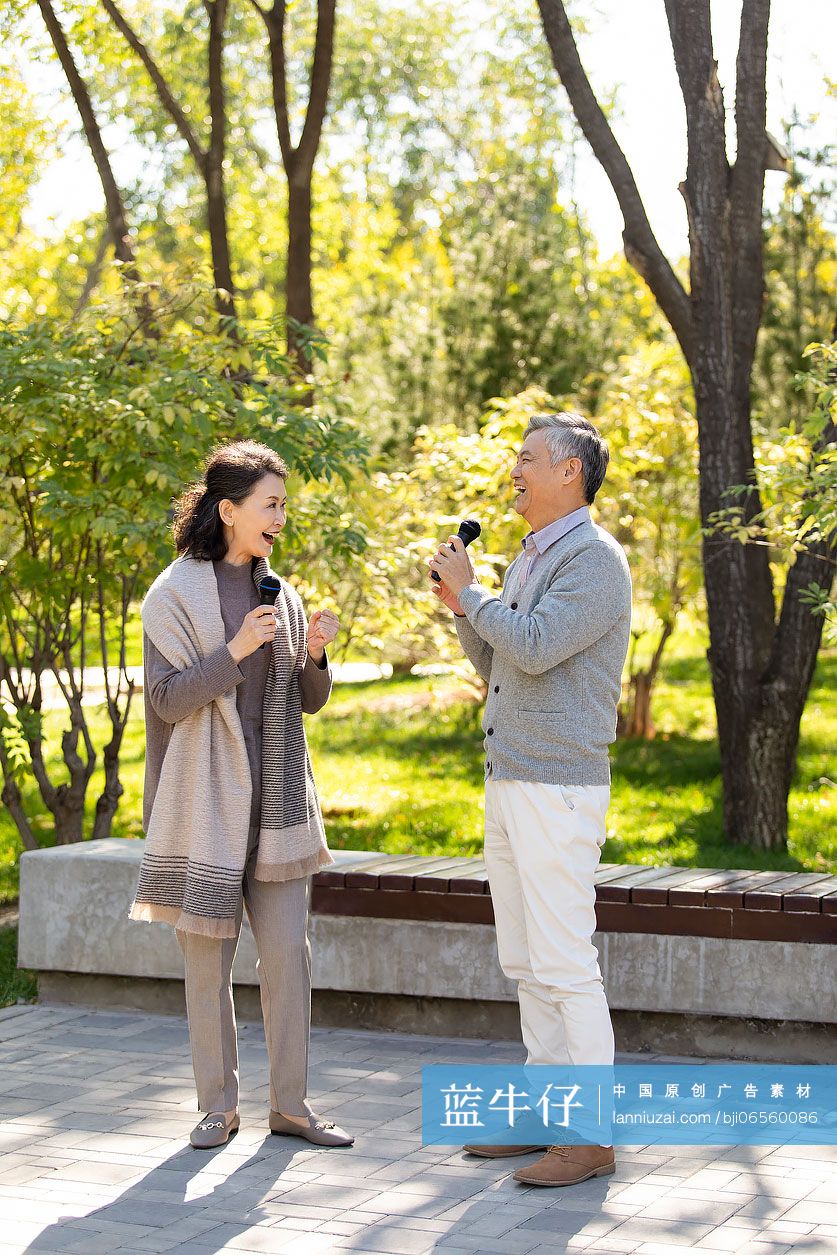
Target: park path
{"points": [[95, 1110], [94, 682]]}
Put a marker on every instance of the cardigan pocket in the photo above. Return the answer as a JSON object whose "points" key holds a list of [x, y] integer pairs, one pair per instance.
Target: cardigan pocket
{"points": [[544, 716]]}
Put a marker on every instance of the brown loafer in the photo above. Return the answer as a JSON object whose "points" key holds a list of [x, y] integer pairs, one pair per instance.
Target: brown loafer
{"points": [[319, 1131], [499, 1152], [213, 1130], [568, 1165]]}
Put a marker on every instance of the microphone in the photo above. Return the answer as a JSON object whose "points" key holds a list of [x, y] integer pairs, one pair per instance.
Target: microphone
{"points": [[269, 589], [469, 529]]}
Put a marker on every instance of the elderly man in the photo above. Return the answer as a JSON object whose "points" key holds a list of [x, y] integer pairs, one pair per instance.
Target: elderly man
{"points": [[551, 649]]}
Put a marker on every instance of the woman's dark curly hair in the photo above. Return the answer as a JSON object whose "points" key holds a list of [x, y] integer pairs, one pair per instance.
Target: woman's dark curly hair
{"points": [[231, 474]]}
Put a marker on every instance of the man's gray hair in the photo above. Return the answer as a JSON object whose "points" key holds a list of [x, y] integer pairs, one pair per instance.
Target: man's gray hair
{"points": [[570, 435]]}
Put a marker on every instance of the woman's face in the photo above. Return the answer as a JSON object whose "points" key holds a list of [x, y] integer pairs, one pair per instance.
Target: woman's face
{"points": [[251, 528]]}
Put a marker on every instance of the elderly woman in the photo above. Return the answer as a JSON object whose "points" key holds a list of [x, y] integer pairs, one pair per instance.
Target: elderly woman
{"points": [[230, 809]]}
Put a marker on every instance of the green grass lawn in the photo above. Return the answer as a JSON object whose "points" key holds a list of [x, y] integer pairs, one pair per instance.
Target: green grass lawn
{"points": [[399, 769], [14, 982]]}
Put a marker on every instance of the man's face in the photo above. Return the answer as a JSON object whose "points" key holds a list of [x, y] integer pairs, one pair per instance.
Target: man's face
{"points": [[543, 490], [534, 479]]}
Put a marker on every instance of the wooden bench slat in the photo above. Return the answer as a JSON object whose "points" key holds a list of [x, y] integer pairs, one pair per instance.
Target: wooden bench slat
{"points": [[694, 894], [475, 880], [436, 878], [656, 894], [334, 876], [773, 897], [621, 890], [714, 896], [403, 876], [605, 872], [367, 876], [732, 893]]}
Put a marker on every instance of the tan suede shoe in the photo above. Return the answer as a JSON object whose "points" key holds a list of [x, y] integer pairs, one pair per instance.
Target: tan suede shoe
{"points": [[500, 1152], [567, 1165], [213, 1131], [319, 1131]]}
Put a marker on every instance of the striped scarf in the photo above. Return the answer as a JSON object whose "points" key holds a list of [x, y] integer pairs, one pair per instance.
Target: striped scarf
{"points": [[196, 840]]}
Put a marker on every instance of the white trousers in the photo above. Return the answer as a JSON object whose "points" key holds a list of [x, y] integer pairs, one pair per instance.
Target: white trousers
{"points": [[542, 847]]}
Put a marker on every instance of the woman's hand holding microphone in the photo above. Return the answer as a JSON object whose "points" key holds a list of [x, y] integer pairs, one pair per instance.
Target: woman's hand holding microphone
{"points": [[259, 628]]}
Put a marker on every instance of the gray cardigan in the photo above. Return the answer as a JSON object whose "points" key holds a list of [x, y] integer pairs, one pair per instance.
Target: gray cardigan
{"points": [[552, 653]]}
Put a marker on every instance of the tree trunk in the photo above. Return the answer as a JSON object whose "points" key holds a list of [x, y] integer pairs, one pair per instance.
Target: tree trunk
{"points": [[761, 669], [636, 723], [209, 160], [114, 204], [108, 800], [11, 798], [298, 160], [299, 305], [216, 201]]}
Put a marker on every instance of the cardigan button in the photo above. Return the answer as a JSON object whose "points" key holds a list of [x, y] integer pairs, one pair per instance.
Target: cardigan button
{"points": [[514, 605], [496, 688], [490, 731]]}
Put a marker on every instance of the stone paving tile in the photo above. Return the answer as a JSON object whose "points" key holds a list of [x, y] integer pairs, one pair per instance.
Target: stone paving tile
{"points": [[728, 1237], [813, 1210], [650, 1229], [108, 1131]]}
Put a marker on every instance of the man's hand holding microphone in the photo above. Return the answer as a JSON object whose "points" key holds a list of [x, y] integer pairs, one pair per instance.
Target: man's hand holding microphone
{"points": [[450, 567]]}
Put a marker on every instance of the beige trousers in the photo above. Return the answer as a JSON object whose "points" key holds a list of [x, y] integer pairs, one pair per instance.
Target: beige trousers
{"points": [[542, 847], [278, 915]]}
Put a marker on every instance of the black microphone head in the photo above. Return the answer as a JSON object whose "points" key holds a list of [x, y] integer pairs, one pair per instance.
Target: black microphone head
{"points": [[469, 529], [269, 589]]}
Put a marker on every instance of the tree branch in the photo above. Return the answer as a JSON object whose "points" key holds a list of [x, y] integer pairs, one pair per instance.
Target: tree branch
{"points": [[641, 247], [319, 85], [117, 220], [162, 88], [274, 20]]}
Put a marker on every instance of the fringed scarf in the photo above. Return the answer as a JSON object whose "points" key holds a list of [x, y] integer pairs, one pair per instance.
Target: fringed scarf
{"points": [[196, 840]]}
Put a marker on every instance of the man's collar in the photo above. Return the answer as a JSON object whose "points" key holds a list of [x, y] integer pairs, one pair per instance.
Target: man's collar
{"points": [[559, 527]]}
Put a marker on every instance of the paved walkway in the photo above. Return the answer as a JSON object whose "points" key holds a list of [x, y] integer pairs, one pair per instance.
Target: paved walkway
{"points": [[95, 1110], [95, 693]]}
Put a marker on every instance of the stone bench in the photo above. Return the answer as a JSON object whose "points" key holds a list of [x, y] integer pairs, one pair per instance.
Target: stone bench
{"points": [[728, 963]]}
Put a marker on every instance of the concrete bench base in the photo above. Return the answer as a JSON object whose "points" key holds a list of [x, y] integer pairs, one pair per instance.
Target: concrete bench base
{"points": [[713, 1037], [672, 993]]}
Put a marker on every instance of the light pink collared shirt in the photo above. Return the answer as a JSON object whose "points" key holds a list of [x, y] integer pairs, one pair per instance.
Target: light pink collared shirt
{"points": [[537, 543]]}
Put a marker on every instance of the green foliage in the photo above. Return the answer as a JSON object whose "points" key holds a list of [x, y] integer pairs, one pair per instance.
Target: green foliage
{"points": [[385, 602], [800, 269], [796, 472], [100, 428]]}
